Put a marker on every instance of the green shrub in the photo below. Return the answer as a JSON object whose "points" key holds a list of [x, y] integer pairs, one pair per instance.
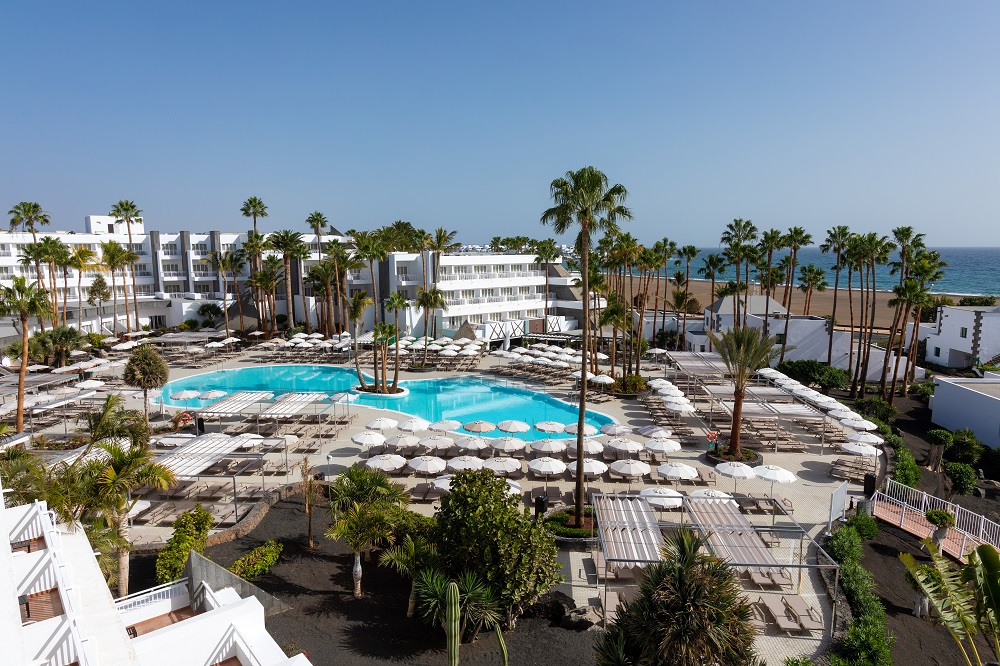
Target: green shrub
{"points": [[866, 526], [258, 561], [192, 324], [939, 438], [845, 545], [881, 427], [798, 661], [629, 384], [907, 472], [94, 339], [557, 524], [895, 441], [978, 301], [923, 390], [964, 447], [410, 523], [190, 533], [815, 372], [939, 518], [876, 407], [963, 477], [868, 642]]}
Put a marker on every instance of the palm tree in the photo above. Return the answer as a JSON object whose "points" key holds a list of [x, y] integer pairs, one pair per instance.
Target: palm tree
{"points": [[289, 244], [770, 241], [429, 300], [27, 215], [737, 235], [31, 255], [254, 207], [236, 261], [62, 260], [81, 259], [362, 485], [97, 295], [442, 242], [362, 527], [744, 351], [811, 278], [878, 250], [585, 200], [926, 269], [269, 276], [127, 212], [318, 223], [690, 610], [23, 300], [369, 248], [409, 558], [356, 311], [836, 242], [909, 296], [61, 341], [323, 275], [796, 239], [546, 251], [686, 254], [123, 469], [53, 250], [907, 242], [146, 370], [112, 258], [220, 263], [111, 421], [396, 302], [253, 247]]}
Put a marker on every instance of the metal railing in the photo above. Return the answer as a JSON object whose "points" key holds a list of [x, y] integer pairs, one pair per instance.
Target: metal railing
{"points": [[152, 595], [905, 507]]}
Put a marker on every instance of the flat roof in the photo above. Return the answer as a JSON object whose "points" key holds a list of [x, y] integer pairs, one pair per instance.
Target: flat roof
{"points": [[990, 387]]}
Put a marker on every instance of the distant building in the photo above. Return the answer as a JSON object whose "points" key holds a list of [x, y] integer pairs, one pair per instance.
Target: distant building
{"points": [[973, 403], [963, 335]]}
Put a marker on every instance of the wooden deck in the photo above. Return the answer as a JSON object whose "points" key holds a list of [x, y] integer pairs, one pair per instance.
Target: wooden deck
{"points": [[41, 606], [957, 544]]}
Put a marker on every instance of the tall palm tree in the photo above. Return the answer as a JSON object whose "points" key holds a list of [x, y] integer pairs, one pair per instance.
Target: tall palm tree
{"points": [[442, 242], [122, 470], [770, 241], [686, 254], [23, 299], [796, 239], [31, 256], [26, 216], [546, 252], [712, 267], [323, 275], [126, 211], [111, 259], [289, 244], [585, 200], [396, 302], [236, 261], [907, 242], [429, 300], [356, 311], [111, 421], [879, 248], [737, 236], [908, 296], [744, 351], [318, 223], [62, 258], [221, 262], [53, 251], [253, 247], [836, 242], [665, 250], [270, 275], [254, 207], [81, 259], [926, 269], [369, 248]]}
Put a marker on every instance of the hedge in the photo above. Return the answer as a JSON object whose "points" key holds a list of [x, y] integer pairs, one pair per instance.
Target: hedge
{"points": [[907, 472], [845, 545], [866, 526], [190, 533], [258, 561], [557, 524]]}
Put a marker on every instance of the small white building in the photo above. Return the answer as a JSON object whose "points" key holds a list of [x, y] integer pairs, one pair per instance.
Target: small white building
{"points": [[963, 335], [972, 403], [56, 609]]}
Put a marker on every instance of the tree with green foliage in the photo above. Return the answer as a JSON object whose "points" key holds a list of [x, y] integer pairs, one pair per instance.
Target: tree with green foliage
{"points": [[23, 300], [907, 472], [815, 372], [410, 556], [190, 533], [211, 311], [362, 527], [291, 246], [356, 311], [977, 301], [795, 239], [360, 484], [126, 211], [962, 477], [429, 300], [482, 528], [690, 610], [146, 370]]}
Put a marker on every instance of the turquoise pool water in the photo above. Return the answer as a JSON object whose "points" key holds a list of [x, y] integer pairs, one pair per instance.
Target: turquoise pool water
{"points": [[463, 399]]}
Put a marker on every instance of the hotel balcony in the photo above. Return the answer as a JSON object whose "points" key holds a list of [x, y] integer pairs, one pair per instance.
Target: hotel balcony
{"points": [[145, 612], [176, 275], [461, 277]]}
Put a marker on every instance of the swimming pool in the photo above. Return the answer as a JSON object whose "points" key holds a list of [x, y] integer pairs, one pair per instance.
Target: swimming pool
{"points": [[463, 399]]}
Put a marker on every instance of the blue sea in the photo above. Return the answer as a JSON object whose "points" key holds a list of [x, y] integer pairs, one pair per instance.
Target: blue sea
{"points": [[970, 270]]}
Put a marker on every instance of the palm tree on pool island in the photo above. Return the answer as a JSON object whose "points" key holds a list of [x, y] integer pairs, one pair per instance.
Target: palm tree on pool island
{"points": [[744, 351], [356, 311], [395, 303], [585, 201]]}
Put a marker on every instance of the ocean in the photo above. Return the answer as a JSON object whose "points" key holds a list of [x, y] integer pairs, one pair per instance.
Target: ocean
{"points": [[970, 270]]}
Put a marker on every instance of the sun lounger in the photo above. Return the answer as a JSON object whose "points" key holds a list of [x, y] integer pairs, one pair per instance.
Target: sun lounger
{"points": [[706, 476], [780, 613], [808, 617], [787, 503], [758, 618], [760, 578], [780, 577]]}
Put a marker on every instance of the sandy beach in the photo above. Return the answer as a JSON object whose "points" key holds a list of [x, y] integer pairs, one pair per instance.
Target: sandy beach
{"points": [[822, 302]]}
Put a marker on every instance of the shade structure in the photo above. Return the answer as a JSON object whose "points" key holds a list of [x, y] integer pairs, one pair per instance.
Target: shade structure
{"points": [[858, 449], [291, 404], [677, 471], [655, 432], [602, 379], [615, 429], [775, 474], [656, 351], [368, 438], [631, 469], [462, 463], [343, 397], [662, 498], [401, 441], [679, 408], [546, 466], [675, 400], [859, 424], [414, 425], [659, 383], [479, 426], [864, 438], [769, 372], [735, 470], [504, 465], [548, 446], [588, 429], [591, 467], [382, 423], [844, 415], [550, 427], [513, 426], [446, 425], [624, 445], [437, 443], [387, 462], [199, 453], [507, 444], [210, 395], [473, 443], [185, 395], [236, 403], [663, 445], [427, 465]]}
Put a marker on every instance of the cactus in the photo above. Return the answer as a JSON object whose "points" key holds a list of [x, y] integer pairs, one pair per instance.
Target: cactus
{"points": [[452, 623]]}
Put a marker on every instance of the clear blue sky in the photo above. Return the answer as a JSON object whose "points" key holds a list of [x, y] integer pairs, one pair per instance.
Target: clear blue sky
{"points": [[871, 114]]}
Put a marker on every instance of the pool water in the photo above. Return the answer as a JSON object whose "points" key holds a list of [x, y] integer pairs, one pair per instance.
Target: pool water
{"points": [[463, 399]]}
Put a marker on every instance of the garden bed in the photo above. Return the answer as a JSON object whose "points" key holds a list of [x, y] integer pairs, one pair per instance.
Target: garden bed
{"points": [[751, 458]]}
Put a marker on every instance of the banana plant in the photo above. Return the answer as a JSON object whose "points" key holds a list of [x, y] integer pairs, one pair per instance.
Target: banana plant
{"points": [[951, 598], [983, 572]]}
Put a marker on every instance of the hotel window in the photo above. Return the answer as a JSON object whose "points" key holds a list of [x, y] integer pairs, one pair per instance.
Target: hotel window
{"points": [[524, 290], [468, 293], [200, 248], [401, 270], [172, 289], [461, 270], [499, 268], [963, 332], [481, 270], [170, 248], [171, 268], [227, 247], [937, 351], [506, 291], [202, 288]]}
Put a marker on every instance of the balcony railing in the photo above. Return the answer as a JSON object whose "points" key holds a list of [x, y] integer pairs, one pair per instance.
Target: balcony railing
{"points": [[174, 274], [506, 275], [154, 594]]}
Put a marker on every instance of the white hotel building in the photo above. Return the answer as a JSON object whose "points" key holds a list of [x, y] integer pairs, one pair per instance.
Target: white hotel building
{"points": [[499, 294]]}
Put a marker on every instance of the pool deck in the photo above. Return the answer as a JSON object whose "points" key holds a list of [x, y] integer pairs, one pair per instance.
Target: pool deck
{"points": [[810, 495]]}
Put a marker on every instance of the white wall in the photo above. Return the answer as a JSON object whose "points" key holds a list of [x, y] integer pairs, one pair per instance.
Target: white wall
{"points": [[958, 403]]}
